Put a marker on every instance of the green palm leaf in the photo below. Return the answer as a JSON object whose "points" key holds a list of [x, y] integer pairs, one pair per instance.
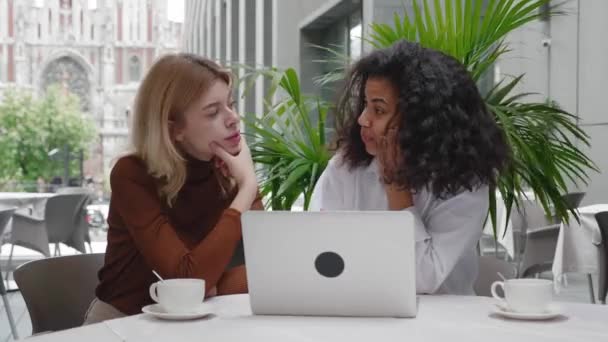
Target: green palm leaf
{"points": [[543, 137], [288, 147]]}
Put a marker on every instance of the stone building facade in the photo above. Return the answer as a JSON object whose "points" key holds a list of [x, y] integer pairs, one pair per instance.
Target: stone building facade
{"points": [[97, 49]]}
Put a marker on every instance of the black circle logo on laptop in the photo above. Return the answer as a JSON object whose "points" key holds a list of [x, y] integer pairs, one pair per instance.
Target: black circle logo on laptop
{"points": [[329, 264]]}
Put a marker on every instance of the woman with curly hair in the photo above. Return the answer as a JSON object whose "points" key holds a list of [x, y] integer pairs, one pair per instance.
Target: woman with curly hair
{"points": [[416, 135]]}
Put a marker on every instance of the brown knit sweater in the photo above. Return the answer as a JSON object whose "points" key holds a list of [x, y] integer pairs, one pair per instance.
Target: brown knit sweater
{"points": [[198, 237]]}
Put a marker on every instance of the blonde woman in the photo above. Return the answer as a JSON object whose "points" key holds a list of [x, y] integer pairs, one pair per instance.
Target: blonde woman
{"points": [[177, 198]]}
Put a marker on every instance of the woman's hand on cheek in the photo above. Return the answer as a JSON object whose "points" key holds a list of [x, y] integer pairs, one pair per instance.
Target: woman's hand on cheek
{"points": [[220, 165], [240, 167], [389, 155]]}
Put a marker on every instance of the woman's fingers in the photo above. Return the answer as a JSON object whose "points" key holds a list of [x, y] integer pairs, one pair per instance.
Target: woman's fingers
{"points": [[220, 152], [389, 155]]}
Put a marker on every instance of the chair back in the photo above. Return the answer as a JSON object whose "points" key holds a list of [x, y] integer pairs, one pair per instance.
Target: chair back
{"points": [[529, 215], [573, 199], [58, 291], [62, 215], [602, 221], [81, 233], [5, 216]]}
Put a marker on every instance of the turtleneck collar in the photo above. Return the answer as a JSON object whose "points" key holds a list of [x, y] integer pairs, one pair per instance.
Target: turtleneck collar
{"points": [[197, 170]]}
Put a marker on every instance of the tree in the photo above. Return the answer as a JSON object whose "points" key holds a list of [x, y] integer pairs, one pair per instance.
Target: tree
{"points": [[30, 128]]}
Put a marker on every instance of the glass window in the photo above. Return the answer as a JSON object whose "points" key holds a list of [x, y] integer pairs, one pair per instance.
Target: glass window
{"points": [[355, 34], [134, 69], [344, 36], [66, 4]]}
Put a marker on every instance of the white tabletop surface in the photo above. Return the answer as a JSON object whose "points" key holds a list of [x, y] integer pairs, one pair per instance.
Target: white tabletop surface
{"points": [[25, 195], [440, 318], [23, 199]]}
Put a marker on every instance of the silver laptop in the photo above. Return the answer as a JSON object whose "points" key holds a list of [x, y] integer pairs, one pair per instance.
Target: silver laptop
{"points": [[331, 263]]}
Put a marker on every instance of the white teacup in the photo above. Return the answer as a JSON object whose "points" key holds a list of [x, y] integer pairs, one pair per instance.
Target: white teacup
{"points": [[525, 295], [178, 295]]}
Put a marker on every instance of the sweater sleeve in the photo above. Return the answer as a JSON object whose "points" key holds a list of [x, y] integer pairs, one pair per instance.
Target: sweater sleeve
{"points": [[140, 208], [453, 227], [257, 203], [328, 193], [234, 280]]}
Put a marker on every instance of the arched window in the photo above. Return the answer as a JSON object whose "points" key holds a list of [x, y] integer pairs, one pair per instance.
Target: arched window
{"points": [[70, 76], [66, 4]]}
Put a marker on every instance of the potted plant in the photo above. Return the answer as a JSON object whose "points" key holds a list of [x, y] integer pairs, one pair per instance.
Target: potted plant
{"points": [[291, 148], [288, 141], [542, 136]]}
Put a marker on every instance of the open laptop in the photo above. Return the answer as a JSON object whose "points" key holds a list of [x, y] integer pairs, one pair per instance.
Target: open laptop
{"points": [[331, 263]]}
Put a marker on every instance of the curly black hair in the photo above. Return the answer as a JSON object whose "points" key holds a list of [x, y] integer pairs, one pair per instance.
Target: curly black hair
{"points": [[448, 139]]}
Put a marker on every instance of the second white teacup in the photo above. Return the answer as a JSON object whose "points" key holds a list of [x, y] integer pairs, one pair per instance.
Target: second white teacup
{"points": [[525, 295], [178, 295]]}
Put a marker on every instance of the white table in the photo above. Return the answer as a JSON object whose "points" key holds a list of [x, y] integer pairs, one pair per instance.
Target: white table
{"points": [[577, 248], [22, 200], [440, 318]]}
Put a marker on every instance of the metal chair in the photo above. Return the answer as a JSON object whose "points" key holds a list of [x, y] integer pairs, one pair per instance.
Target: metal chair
{"points": [[535, 240], [82, 232], [57, 291], [61, 219], [574, 199], [602, 221], [541, 234], [489, 266], [5, 216]]}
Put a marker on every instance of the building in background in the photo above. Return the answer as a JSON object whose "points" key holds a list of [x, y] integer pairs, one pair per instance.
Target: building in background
{"points": [[564, 60], [98, 49], [563, 57], [280, 33]]}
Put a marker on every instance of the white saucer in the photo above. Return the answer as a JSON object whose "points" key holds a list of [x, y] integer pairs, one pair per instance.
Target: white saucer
{"points": [[157, 311], [553, 312]]}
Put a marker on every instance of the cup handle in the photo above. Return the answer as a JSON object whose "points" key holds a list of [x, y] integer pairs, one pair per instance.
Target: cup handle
{"points": [[495, 285], [153, 294]]}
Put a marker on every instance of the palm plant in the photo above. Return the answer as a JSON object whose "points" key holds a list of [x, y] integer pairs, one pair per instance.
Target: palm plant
{"points": [[542, 136], [288, 147]]}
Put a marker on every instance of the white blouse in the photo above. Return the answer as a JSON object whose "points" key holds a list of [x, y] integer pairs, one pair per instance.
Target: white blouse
{"points": [[446, 231]]}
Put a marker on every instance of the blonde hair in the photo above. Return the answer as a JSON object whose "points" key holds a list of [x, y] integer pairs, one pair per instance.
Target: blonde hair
{"points": [[172, 84]]}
